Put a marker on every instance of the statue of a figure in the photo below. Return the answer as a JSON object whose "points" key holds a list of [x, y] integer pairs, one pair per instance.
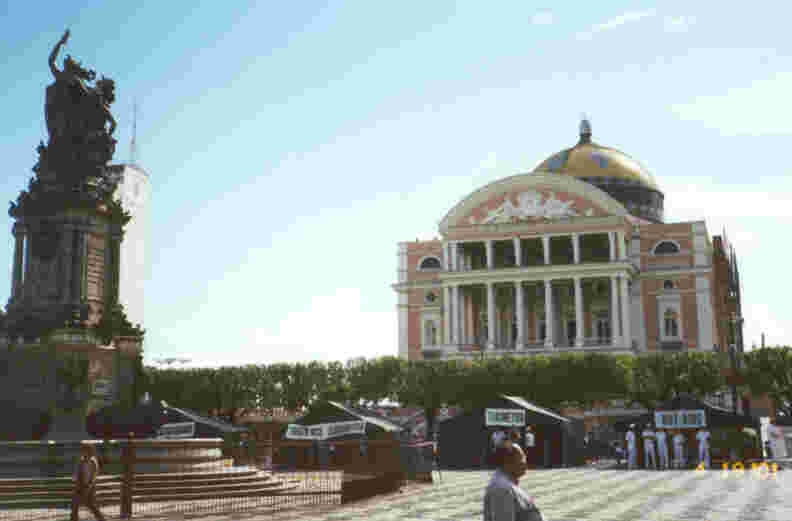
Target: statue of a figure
{"points": [[73, 108]]}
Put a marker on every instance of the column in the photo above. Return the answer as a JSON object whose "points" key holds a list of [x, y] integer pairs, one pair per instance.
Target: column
{"points": [[454, 314], [579, 326], [622, 246], [612, 244], [576, 248], [549, 319], [615, 318], [470, 333], [460, 315], [490, 315], [546, 248], [625, 298], [447, 255], [447, 315], [490, 256], [520, 318], [454, 259], [518, 251], [19, 250]]}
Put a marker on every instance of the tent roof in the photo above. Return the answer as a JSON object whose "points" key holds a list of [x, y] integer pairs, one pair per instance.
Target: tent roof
{"points": [[212, 422], [369, 417], [522, 402]]}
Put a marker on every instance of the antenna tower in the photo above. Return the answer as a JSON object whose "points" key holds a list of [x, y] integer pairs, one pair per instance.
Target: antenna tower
{"points": [[133, 143]]}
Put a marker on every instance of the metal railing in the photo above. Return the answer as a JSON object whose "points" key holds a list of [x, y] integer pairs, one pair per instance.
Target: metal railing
{"points": [[158, 478]]}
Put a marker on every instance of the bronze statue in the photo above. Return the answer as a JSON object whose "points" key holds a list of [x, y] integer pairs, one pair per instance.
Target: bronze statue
{"points": [[74, 108]]}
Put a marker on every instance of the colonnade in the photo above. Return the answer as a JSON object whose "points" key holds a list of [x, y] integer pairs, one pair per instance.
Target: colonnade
{"points": [[455, 261], [460, 323]]}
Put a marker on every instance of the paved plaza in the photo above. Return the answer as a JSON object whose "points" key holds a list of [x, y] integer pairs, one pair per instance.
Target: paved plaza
{"points": [[576, 494], [579, 494]]}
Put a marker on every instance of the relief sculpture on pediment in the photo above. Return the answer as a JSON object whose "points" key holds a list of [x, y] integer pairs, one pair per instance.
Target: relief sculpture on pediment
{"points": [[531, 205]]}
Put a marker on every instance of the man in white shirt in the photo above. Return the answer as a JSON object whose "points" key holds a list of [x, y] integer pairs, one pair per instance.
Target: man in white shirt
{"points": [[703, 436], [662, 448], [630, 437], [649, 450], [679, 450], [530, 439]]}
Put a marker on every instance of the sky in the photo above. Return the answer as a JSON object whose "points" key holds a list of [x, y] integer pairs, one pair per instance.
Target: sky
{"points": [[291, 146]]}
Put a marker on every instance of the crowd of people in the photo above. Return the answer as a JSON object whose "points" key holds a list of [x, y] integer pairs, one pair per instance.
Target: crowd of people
{"points": [[656, 449]]}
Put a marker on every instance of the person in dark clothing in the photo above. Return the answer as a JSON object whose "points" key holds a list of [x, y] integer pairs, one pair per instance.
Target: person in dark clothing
{"points": [[504, 500], [85, 476]]}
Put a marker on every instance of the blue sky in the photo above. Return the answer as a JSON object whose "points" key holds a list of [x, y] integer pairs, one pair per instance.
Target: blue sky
{"points": [[292, 145]]}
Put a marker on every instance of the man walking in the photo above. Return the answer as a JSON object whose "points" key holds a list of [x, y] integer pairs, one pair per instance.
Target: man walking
{"points": [[85, 483], [703, 436], [630, 437], [649, 450], [662, 448]]}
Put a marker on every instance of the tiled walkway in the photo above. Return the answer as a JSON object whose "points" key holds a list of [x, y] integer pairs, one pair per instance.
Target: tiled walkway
{"points": [[579, 494]]}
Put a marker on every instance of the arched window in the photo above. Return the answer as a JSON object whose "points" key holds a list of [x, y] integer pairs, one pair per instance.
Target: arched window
{"points": [[430, 263], [666, 248], [671, 324], [668, 284]]}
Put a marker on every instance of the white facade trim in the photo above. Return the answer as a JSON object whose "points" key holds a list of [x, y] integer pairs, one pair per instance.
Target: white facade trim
{"points": [[403, 311], [705, 314]]}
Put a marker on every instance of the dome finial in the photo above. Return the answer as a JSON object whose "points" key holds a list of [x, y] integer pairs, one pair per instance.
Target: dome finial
{"points": [[585, 129]]}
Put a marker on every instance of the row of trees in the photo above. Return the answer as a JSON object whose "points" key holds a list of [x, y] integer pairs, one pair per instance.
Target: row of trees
{"points": [[570, 379]]}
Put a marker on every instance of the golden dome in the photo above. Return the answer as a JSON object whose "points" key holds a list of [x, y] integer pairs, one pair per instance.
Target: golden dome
{"points": [[597, 164]]}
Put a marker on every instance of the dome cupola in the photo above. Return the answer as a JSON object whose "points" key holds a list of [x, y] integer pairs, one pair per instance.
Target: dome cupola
{"points": [[610, 170]]}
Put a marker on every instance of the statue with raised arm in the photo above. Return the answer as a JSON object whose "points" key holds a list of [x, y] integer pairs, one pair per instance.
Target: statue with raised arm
{"points": [[79, 111]]}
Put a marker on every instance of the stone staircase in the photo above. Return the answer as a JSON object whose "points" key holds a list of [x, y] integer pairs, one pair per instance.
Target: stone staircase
{"points": [[188, 486]]}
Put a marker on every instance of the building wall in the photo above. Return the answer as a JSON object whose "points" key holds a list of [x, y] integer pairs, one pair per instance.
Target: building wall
{"points": [[134, 191]]}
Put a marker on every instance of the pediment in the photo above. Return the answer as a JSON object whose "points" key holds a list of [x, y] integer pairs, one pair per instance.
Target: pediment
{"points": [[532, 198]]}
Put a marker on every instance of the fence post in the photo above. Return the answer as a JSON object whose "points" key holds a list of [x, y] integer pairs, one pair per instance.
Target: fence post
{"points": [[128, 464]]}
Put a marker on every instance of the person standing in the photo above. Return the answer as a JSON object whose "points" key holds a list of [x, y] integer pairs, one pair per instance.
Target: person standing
{"points": [[679, 450], [703, 436], [630, 437], [530, 439], [662, 448], [504, 500], [85, 475], [649, 448]]}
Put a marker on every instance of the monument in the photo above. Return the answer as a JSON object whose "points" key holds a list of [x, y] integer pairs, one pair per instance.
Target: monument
{"points": [[68, 345]]}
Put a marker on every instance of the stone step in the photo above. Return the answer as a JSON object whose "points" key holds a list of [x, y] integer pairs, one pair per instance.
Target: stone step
{"points": [[252, 492], [56, 492], [209, 488]]}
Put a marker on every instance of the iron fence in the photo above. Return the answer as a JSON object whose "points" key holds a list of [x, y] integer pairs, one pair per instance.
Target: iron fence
{"points": [[151, 479]]}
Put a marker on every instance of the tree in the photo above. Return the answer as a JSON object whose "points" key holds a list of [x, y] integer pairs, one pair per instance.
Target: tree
{"points": [[694, 373], [769, 370], [650, 381]]}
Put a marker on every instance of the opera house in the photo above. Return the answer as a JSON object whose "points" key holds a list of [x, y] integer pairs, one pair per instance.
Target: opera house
{"points": [[574, 256]]}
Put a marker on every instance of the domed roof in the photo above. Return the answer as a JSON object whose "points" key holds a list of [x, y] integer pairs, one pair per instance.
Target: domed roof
{"points": [[597, 164]]}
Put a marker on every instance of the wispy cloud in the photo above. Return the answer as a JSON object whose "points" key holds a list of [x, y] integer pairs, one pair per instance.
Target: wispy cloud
{"points": [[618, 21], [678, 24], [543, 18]]}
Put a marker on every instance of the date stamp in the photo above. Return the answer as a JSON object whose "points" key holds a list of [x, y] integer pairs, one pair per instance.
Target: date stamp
{"points": [[761, 470]]}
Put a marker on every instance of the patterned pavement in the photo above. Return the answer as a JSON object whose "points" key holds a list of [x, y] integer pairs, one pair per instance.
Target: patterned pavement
{"points": [[576, 494]]}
